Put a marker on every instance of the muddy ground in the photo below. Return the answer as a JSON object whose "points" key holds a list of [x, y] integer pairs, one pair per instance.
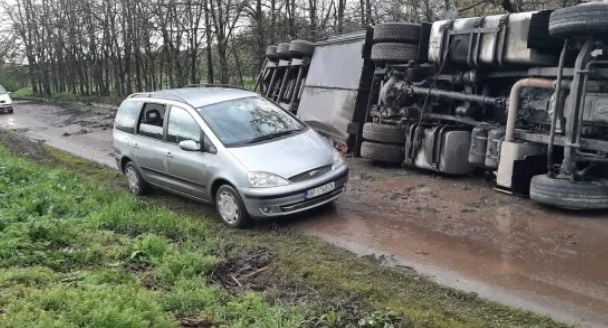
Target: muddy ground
{"points": [[458, 231]]}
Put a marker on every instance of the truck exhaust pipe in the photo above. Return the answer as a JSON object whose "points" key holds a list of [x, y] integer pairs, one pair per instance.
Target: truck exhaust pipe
{"points": [[513, 104]]}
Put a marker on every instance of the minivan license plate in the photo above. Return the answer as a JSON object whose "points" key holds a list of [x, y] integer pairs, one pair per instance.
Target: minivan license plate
{"points": [[321, 190]]}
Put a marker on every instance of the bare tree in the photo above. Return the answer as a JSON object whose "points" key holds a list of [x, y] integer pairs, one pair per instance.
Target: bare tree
{"points": [[114, 47]]}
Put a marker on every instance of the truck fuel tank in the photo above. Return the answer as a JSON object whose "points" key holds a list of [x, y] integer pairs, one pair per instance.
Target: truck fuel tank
{"points": [[500, 40], [445, 151]]}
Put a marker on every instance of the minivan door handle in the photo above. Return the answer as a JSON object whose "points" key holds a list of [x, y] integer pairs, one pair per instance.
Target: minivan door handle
{"points": [[135, 145], [169, 155]]}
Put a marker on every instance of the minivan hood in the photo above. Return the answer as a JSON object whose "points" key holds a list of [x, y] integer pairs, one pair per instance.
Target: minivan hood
{"points": [[288, 156], [5, 98]]}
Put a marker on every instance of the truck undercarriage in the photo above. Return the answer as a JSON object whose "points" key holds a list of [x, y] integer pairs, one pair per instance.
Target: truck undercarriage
{"points": [[521, 95]]}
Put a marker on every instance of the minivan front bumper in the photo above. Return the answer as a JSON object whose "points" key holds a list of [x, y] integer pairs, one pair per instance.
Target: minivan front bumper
{"points": [[6, 108], [291, 199]]}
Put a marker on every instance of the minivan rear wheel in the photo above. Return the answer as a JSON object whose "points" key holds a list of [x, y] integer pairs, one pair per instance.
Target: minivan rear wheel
{"points": [[135, 182], [230, 207]]}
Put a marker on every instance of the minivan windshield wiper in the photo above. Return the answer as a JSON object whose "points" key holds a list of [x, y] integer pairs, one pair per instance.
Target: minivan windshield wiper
{"points": [[273, 136]]}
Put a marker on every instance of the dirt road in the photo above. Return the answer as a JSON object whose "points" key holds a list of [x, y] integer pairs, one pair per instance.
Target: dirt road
{"points": [[458, 231]]}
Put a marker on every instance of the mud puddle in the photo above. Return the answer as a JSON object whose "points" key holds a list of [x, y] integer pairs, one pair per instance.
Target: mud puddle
{"points": [[84, 131], [465, 235]]}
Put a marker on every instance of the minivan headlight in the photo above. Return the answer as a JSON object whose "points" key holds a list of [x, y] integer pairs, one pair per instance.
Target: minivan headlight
{"points": [[338, 160], [265, 180]]}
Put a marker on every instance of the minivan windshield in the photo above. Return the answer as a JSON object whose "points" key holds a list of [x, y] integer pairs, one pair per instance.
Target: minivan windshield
{"points": [[249, 120], [2, 90]]}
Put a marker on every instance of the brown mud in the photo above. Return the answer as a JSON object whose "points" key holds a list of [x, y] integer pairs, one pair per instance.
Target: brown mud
{"points": [[245, 271]]}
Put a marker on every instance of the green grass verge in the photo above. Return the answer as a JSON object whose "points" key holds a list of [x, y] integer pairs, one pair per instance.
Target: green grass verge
{"points": [[75, 237], [23, 92], [74, 253]]}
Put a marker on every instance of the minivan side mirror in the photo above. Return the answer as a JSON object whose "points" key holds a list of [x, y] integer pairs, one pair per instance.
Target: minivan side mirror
{"points": [[190, 145]]}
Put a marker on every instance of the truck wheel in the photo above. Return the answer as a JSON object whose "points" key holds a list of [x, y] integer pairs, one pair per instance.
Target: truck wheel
{"points": [[397, 32], [301, 48], [580, 195], [386, 153], [384, 133], [271, 52], [283, 51], [393, 52], [584, 19]]}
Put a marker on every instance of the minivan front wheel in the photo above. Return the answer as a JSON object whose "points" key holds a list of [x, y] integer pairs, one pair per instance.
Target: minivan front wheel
{"points": [[230, 207], [135, 182]]}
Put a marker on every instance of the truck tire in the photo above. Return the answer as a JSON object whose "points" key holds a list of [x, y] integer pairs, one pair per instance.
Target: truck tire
{"points": [[386, 153], [271, 52], [384, 133], [301, 48], [283, 51], [585, 19], [391, 52], [580, 195], [397, 32]]}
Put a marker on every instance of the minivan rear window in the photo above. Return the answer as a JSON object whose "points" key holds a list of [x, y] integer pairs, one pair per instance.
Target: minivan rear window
{"points": [[127, 115]]}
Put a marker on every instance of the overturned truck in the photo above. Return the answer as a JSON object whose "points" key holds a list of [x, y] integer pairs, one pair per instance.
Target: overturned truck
{"points": [[523, 95]]}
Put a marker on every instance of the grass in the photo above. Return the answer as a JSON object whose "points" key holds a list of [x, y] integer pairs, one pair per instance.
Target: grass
{"points": [[74, 253], [71, 235], [23, 93]]}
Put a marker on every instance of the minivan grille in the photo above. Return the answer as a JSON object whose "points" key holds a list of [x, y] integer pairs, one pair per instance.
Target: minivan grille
{"points": [[310, 174]]}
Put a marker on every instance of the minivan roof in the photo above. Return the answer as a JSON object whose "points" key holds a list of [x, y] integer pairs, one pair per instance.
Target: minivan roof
{"points": [[198, 96]]}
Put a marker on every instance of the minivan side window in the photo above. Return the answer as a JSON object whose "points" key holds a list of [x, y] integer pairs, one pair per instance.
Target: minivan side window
{"points": [[182, 126], [151, 121], [126, 116]]}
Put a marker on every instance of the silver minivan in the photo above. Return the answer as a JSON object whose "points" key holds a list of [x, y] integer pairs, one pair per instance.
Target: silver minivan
{"points": [[6, 103], [228, 146]]}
